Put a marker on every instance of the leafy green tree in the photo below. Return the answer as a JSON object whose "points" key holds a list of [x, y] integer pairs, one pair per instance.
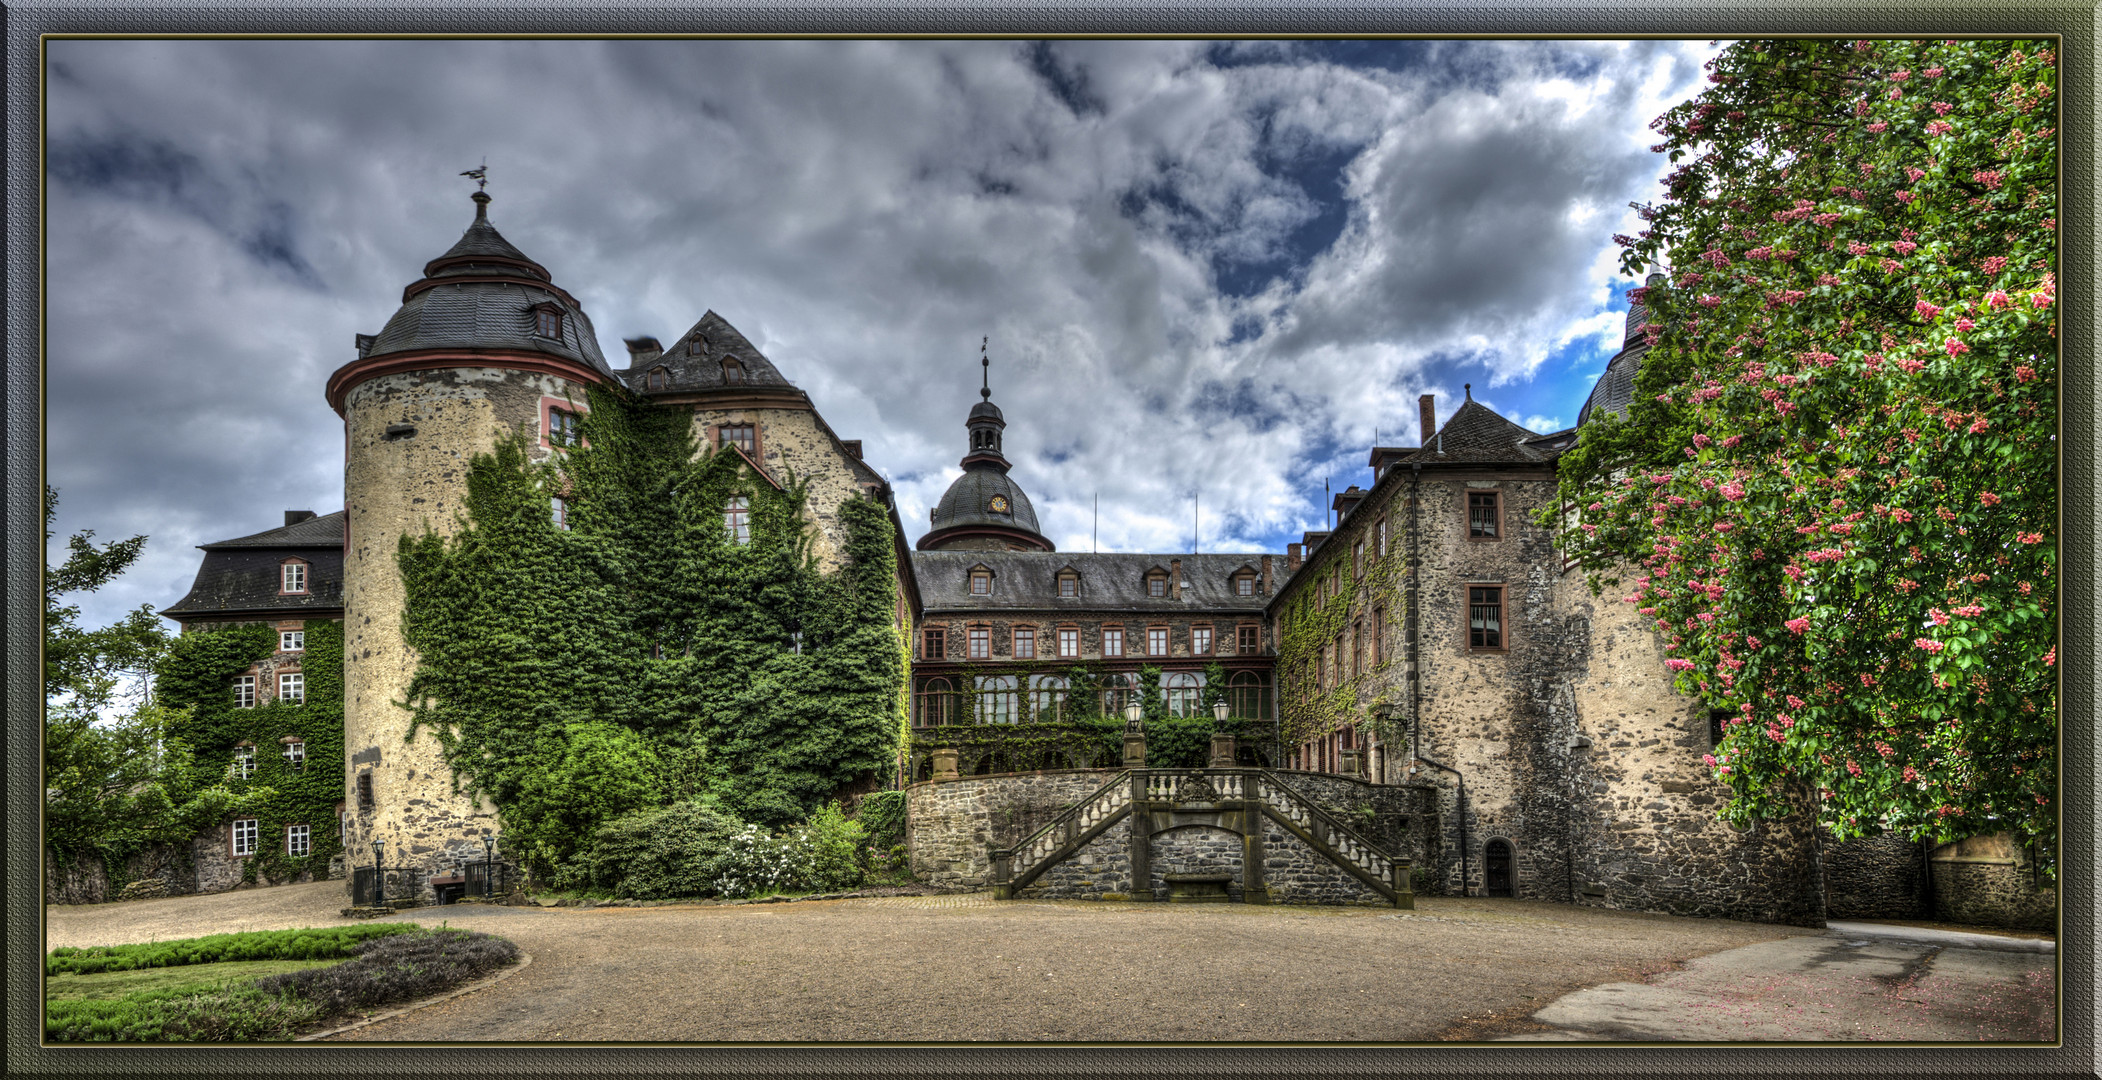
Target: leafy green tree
{"points": [[115, 785], [1835, 488]]}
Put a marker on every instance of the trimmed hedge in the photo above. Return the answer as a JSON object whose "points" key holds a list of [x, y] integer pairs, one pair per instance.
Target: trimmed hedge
{"points": [[309, 944]]}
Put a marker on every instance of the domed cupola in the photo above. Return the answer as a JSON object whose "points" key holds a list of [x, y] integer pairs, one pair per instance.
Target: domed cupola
{"points": [[482, 303], [984, 510], [1616, 388]]}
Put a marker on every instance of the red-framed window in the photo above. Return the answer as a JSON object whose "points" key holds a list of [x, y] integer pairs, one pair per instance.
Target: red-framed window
{"points": [[1200, 640], [1024, 644], [1112, 641], [743, 436], [981, 641], [1156, 641], [737, 519], [1068, 642], [1251, 635], [934, 643], [1485, 515]]}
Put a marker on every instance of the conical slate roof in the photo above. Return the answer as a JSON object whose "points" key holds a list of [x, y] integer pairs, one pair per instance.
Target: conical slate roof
{"points": [[1615, 389], [483, 294], [969, 501]]}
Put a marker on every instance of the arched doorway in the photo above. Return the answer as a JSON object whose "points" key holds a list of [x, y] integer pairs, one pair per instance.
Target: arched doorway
{"points": [[1496, 862]]}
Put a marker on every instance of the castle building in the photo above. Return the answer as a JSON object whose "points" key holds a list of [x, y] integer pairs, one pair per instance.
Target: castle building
{"points": [[1007, 620]]}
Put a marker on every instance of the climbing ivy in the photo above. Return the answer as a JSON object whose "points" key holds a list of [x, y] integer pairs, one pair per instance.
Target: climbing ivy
{"points": [[196, 677], [1310, 621], [644, 655]]}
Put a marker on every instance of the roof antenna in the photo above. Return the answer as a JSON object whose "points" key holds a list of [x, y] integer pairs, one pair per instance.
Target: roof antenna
{"points": [[1098, 523], [985, 390], [1193, 522], [1331, 504]]}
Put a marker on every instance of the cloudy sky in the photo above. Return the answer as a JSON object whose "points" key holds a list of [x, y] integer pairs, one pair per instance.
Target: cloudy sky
{"points": [[1204, 267]]}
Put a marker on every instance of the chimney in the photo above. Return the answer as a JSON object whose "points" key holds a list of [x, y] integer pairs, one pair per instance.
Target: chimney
{"points": [[642, 350], [1347, 500], [1266, 575], [294, 517], [853, 447], [1174, 579], [1428, 406], [1292, 556]]}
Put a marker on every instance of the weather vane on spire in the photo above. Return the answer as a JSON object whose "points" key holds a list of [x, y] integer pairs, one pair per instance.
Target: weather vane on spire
{"points": [[985, 391], [479, 174]]}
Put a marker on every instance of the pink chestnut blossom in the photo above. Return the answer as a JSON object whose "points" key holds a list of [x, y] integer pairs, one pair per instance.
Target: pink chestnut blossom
{"points": [[1798, 626], [1998, 299], [1928, 645], [1955, 347], [1904, 247], [1993, 264]]}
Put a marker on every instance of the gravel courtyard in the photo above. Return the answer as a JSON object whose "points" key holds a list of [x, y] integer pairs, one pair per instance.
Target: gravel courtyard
{"points": [[965, 968]]}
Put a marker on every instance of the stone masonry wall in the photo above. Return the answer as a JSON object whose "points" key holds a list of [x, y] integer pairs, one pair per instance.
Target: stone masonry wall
{"points": [[1100, 870], [1196, 849], [795, 442], [951, 826], [1875, 877], [1991, 881], [204, 865], [1297, 874], [403, 486], [1644, 804]]}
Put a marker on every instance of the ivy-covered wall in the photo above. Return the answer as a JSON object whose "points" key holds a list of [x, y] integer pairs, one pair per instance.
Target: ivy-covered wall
{"points": [[644, 654], [198, 675]]}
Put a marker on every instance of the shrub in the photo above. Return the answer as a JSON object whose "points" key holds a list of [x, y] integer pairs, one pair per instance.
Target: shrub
{"points": [[391, 969], [882, 817], [232, 1014], [834, 846], [657, 854], [820, 855]]}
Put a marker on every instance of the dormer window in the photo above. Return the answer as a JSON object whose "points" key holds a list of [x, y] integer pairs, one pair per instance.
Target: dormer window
{"points": [[696, 345], [1156, 584], [292, 577], [1068, 584], [659, 378], [981, 582], [1244, 584], [547, 322], [733, 372]]}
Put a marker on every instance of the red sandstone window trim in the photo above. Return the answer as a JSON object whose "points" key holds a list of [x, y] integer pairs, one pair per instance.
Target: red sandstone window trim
{"points": [[1494, 501], [1157, 641], [934, 641], [1022, 642], [1249, 638], [1201, 635], [560, 423], [1112, 641], [1069, 642], [980, 636], [744, 435], [295, 577]]}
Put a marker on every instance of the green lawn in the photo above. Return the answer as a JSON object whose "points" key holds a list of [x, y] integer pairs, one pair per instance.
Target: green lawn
{"points": [[110, 985]]}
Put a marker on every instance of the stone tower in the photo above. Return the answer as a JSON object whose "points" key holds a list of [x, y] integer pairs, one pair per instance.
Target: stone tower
{"points": [[984, 509], [483, 344]]}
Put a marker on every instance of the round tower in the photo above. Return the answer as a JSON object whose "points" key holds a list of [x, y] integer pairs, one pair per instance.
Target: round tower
{"points": [[484, 342], [984, 510]]}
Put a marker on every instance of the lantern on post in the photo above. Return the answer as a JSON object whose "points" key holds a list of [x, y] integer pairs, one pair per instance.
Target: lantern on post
{"points": [[379, 872], [1134, 735]]}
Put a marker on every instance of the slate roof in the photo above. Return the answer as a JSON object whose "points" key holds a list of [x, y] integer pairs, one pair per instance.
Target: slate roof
{"points": [[689, 372], [481, 314], [1028, 581], [1615, 390], [969, 498], [241, 577], [1476, 435]]}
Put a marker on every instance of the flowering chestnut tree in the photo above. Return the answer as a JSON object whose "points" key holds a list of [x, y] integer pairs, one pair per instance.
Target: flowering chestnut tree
{"points": [[1835, 490]]}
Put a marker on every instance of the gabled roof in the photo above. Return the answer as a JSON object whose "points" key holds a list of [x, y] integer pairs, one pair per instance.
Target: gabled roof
{"points": [[689, 372], [1476, 435]]}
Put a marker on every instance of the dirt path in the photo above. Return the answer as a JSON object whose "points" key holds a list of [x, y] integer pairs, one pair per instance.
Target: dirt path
{"points": [[966, 968]]}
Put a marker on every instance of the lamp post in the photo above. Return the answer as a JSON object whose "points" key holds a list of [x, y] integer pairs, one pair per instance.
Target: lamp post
{"points": [[488, 865], [379, 872], [1134, 735], [1224, 750]]}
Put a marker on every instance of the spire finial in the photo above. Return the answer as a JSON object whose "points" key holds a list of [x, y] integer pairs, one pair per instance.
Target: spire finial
{"points": [[985, 389], [480, 175], [1469, 387]]}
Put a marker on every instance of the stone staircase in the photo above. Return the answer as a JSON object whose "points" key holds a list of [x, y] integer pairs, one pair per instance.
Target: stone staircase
{"points": [[1235, 800]]}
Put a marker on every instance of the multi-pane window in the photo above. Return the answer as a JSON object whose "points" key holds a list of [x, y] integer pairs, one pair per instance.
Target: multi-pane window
{"points": [[733, 372], [547, 324], [1244, 585], [1321, 669], [743, 436], [295, 755], [244, 762], [292, 688], [244, 833], [1068, 641], [1251, 638], [1181, 688], [561, 427], [1485, 616], [1156, 585], [1156, 641], [1069, 585], [291, 641], [1357, 559], [1484, 516], [365, 790], [1025, 643], [1112, 641], [298, 839], [1200, 640], [981, 637], [997, 699], [1379, 539], [737, 519], [244, 691], [1357, 649], [933, 644], [561, 511], [981, 583], [1340, 668], [293, 577], [659, 378], [1379, 634]]}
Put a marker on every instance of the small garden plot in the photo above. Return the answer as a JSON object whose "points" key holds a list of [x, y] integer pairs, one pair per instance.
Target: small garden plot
{"points": [[258, 987]]}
